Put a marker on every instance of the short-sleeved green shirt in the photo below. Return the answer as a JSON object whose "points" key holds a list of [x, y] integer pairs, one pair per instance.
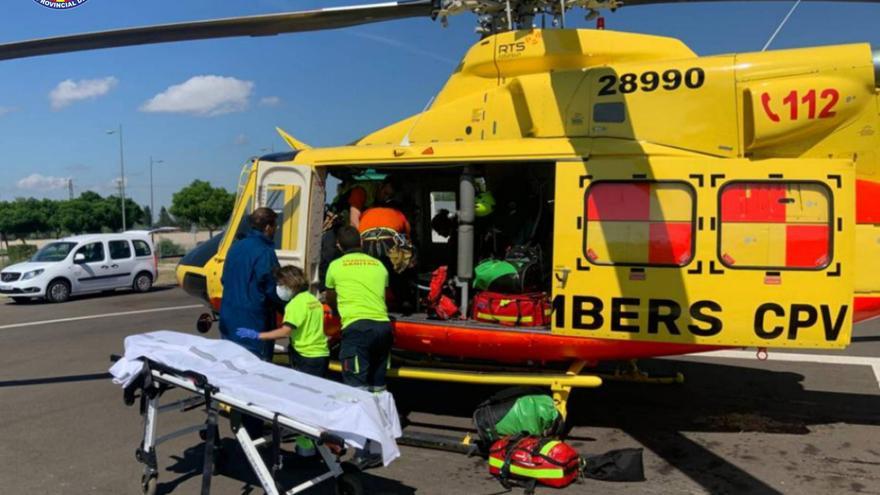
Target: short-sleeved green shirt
{"points": [[359, 281], [306, 315]]}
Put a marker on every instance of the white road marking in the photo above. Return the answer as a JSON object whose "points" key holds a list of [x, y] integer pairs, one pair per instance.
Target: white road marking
{"points": [[95, 317], [873, 362]]}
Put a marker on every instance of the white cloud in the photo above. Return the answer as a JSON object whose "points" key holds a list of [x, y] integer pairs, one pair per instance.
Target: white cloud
{"points": [[70, 91], [241, 140], [5, 110], [38, 182], [270, 101], [204, 96]]}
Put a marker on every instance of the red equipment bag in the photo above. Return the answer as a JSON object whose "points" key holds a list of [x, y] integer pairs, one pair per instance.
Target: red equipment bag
{"points": [[439, 304], [528, 460], [513, 310]]}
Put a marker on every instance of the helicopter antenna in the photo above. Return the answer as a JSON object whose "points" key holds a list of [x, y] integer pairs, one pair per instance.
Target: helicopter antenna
{"points": [[509, 15], [562, 12], [405, 140], [781, 25]]}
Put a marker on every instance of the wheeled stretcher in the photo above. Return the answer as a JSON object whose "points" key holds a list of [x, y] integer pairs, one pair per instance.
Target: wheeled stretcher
{"points": [[222, 379]]}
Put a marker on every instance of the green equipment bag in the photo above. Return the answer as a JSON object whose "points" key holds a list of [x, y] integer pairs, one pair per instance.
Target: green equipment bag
{"points": [[519, 272], [516, 411], [497, 276]]}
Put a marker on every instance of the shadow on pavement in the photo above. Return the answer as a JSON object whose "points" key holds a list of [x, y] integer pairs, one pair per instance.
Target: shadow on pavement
{"points": [[55, 379], [714, 398], [231, 463]]}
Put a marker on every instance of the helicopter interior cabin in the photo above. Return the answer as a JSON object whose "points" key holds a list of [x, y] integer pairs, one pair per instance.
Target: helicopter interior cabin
{"points": [[511, 205]]}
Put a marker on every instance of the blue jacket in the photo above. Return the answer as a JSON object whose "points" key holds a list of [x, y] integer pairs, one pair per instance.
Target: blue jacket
{"points": [[249, 298]]}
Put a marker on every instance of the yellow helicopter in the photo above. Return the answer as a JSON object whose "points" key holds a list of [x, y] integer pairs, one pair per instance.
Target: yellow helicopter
{"points": [[681, 203]]}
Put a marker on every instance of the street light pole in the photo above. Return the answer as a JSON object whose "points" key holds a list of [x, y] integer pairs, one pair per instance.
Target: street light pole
{"points": [[122, 175], [152, 206]]}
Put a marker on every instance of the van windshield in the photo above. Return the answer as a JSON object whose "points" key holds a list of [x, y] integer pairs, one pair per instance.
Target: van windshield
{"points": [[54, 251]]}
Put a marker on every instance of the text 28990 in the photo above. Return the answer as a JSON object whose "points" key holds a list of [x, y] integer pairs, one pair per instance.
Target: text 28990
{"points": [[670, 80]]}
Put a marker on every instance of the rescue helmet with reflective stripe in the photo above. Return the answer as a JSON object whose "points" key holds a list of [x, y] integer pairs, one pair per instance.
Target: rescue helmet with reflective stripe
{"points": [[484, 204]]}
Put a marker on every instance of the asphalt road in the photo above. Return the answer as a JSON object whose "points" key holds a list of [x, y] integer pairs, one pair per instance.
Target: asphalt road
{"points": [[737, 425]]}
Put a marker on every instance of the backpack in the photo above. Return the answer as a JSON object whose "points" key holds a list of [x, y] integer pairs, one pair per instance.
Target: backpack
{"points": [[513, 310], [439, 305], [516, 410], [529, 264], [526, 461]]}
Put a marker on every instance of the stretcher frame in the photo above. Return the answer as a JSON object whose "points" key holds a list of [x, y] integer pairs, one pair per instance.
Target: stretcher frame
{"points": [[158, 378]]}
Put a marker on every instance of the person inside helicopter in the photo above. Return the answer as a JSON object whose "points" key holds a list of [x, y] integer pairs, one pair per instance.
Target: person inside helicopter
{"points": [[351, 200], [387, 236], [512, 208]]}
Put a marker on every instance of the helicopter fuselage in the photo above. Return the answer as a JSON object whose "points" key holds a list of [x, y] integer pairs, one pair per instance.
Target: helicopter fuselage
{"points": [[697, 202]]}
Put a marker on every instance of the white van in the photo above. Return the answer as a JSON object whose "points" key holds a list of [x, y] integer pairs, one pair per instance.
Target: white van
{"points": [[82, 264]]}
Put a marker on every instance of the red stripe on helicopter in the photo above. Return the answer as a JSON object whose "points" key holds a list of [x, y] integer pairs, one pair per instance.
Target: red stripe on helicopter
{"points": [[865, 308], [806, 246], [867, 201], [670, 243], [753, 202], [610, 201], [511, 346]]}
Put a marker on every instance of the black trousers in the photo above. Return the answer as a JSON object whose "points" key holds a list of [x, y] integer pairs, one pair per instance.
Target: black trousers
{"points": [[316, 366], [365, 353]]}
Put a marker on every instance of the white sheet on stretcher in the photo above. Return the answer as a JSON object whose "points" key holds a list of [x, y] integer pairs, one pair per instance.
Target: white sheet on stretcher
{"points": [[353, 414]]}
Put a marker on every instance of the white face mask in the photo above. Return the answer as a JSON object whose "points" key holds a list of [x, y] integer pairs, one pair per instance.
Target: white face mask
{"points": [[284, 293]]}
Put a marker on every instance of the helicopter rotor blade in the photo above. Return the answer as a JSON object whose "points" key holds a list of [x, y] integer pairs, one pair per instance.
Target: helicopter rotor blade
{"points": [[633, 3], [258, 25]]}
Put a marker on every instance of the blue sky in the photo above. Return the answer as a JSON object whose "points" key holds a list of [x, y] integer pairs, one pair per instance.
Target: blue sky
{"points": [[325, 88]]}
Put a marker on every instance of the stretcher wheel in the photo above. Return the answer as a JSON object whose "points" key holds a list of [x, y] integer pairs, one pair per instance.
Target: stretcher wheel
{"points": [[150, 484], [350, 484], [204, 323]]}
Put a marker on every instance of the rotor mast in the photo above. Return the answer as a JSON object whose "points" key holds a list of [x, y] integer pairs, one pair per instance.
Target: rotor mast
{"points": [[498, 16]]}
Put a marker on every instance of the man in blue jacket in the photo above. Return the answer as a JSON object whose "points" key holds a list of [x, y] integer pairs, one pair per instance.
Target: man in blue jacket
{"points": [[249, 298]]}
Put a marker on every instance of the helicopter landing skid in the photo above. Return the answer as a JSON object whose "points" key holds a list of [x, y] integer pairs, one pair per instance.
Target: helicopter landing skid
{"points": [[633, 374], [560, 384]]}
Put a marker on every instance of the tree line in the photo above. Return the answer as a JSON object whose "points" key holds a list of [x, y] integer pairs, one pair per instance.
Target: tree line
{"points": [[198, 204]]}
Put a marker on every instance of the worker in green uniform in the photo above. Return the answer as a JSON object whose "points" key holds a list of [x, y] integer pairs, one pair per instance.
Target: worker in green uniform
{"points": [[356, 284], [303, 323]]}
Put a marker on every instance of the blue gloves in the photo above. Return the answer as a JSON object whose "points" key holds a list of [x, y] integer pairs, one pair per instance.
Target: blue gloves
{"points": [[247, 333]]}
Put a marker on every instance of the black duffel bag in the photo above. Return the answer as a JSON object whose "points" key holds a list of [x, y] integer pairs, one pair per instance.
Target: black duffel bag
{"points": [[616, 465]]}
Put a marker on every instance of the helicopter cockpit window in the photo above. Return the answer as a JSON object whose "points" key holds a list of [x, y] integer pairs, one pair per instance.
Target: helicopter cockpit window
{"points": [[275, 201], [639, 223], [284, 200], [609, 113], [776, 225], [243, 226]]}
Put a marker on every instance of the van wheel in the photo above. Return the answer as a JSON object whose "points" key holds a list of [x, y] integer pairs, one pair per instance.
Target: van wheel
{"points": [[58, 291], [143, 282]]}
